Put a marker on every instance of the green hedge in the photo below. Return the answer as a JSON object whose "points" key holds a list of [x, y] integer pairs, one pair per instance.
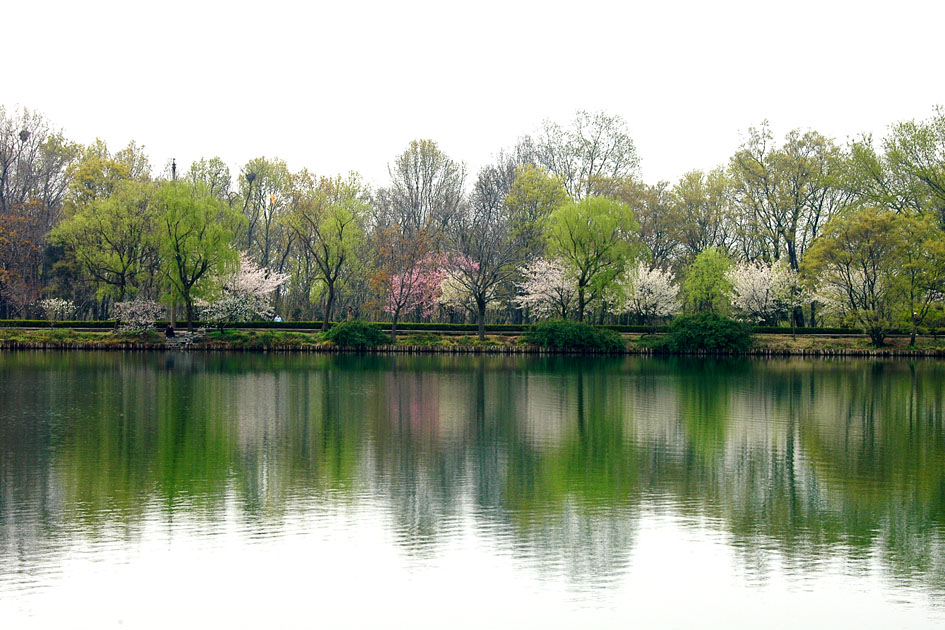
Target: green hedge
{"points": [[567, 335], [357, 334], [707, 332]]}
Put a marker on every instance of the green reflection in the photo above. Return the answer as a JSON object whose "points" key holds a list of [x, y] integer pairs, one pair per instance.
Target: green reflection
{"points": [[554, 459]]}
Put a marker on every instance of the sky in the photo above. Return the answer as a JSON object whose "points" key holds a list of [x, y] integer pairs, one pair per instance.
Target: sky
{"points": [[342, 86]]}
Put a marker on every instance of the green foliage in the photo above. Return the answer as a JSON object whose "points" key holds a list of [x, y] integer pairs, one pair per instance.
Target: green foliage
{"points": [[197, 232], [356, 334], [706, 289], [707, 332], [112, 238], [567, 335], [862, 264], [533, 196], [595, 238]]}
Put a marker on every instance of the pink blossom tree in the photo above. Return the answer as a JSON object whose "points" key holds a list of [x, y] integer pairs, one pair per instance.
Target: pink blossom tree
{"points": [[415, 289]]}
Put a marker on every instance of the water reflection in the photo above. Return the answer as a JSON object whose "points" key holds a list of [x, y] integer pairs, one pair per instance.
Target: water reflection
{"points": [[558, 464]]}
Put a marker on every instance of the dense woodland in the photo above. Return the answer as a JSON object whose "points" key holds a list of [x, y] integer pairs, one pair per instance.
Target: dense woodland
{"points": [[803, 230]]}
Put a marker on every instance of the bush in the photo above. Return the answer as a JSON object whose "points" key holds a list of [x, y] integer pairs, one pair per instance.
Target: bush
{"points": [[707, 332], [565, 335], [356, 334]]}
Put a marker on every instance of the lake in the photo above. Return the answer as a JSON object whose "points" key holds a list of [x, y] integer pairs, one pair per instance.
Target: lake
{"points": [[278, 490]]}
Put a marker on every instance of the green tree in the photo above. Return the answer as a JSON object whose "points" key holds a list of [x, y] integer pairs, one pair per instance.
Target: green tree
{"points": [[860, 263], [196, 233], [923, 274], [330, 225], [112, 238], [706, 289], [531, 199], [596, 237]]}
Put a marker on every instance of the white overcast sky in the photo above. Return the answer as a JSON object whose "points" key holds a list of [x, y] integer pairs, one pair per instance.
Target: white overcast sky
{"points": [[341, 86]]}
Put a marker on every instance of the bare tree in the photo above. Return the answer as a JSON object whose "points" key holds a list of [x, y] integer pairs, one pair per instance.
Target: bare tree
{"points": [[426, 188], [596, 146], [481, 238]]}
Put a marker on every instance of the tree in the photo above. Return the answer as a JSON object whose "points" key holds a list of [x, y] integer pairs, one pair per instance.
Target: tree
{"points": [[702, 212], [647, 293], [264, 193], [595, 238], [596, 146], [330, 226], [138, 315], [22, 233], [655, 207], [859, 261], [113, 238], [426, 188], [214, 174], [34, 163], [923, 274], [414, 288], [546, 288], [763, 292], [246, 294], [195, 237], [706, 288], [531, 199], [914, 153], [785, 194], [482, 241]]}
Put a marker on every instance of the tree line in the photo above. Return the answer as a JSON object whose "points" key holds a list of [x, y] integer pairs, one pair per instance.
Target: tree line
{"points": [[802, 230]]}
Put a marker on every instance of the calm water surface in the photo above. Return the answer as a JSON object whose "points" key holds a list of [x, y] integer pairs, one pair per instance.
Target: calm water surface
{"points": [[190, 490]]}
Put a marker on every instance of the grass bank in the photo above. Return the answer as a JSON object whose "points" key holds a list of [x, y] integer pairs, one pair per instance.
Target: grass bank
{"points": [[430, 342]]}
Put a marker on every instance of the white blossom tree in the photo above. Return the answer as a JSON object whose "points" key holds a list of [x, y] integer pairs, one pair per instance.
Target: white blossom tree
{"points": [[647, 293], [57, 309], [546, 288], [246, 294], [137, 316], [763, 292]]}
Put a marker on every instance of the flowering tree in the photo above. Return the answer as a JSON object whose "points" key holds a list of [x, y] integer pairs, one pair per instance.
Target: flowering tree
{"points": [[546, 288], [649, 293], [415, 289], [245, 294], [137, 316], [57, 309], [763, 292]]}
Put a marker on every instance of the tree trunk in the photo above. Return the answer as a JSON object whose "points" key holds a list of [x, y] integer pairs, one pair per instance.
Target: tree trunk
{"points": [[330, 303], [581, 304], [190, 314], [481, 319], [393, 328]]}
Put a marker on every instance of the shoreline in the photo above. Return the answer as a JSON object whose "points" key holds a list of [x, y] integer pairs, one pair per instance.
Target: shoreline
{"points": [[812, 346]]}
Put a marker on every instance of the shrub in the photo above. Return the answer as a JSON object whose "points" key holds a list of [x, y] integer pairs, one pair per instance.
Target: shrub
{"points": [[356, 334], [565, 335], [707, 332]]}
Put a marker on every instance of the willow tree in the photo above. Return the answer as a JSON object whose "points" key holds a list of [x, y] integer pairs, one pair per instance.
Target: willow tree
{"points": [[196, 233], [113, 238], [595, 238]]}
